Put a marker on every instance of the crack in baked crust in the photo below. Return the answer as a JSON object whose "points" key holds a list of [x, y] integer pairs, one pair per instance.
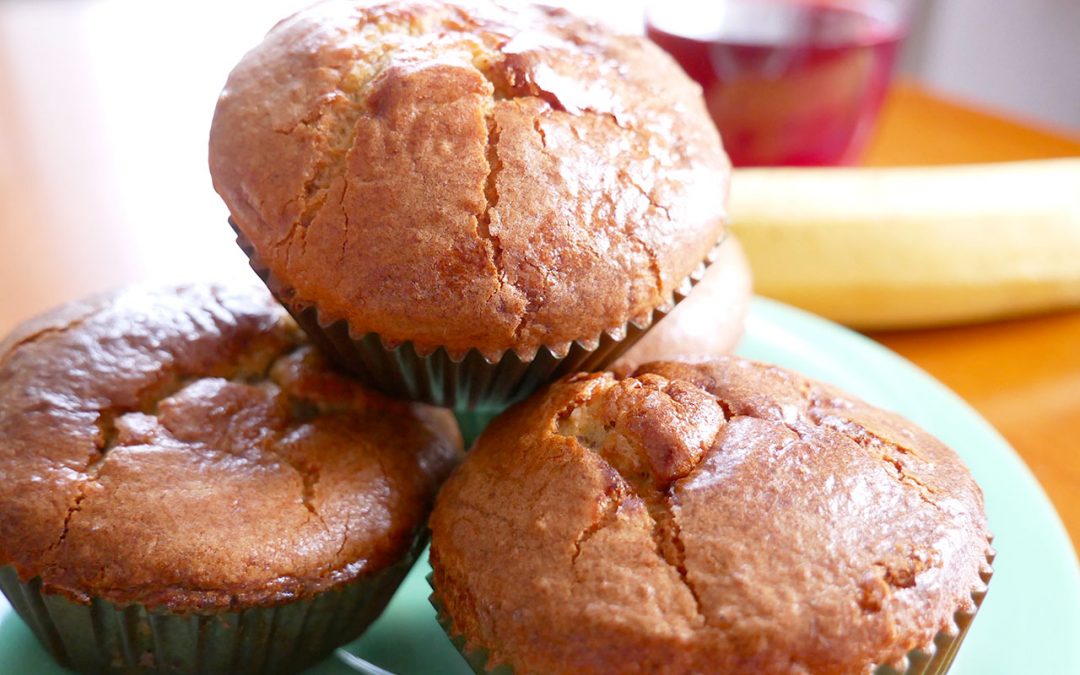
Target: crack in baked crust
{"points": [[106, 439], [372, 55], [184, 410], [662, 292], [375, 39], [491, 200], [330, 165], [539, 129], [846, 554], [259, 364], [894, 573], [593, 421], [109, 438], [612, 503], [677, 558], [888, 451], [644, 473], [512, 81], [7, 351]]}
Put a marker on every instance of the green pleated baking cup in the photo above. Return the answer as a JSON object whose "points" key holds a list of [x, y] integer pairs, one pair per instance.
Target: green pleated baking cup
{"points": [[472, 423], [476, 658], [933, 660], [462, 382], [103, 637]]}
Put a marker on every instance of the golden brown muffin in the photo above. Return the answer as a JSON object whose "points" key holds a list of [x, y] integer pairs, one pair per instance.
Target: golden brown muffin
{"points": [[186, 450], [706, 324], [467, 175], [728, 517]]}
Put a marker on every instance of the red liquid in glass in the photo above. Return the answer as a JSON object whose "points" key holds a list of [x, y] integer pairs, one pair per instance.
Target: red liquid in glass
{"points": [[788, 82]]}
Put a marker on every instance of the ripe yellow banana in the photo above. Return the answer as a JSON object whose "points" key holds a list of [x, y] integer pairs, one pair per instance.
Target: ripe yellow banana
{"points": [[908, 247]]}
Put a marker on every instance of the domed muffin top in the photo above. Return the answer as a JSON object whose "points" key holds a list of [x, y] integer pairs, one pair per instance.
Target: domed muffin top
{"points": [[467, 175], [186, 447], [727, 516]]}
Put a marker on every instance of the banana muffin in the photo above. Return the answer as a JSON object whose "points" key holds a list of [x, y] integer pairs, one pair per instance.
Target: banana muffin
{"points": [[727, 516], [186, 484], [461, 199], [708, 323]]}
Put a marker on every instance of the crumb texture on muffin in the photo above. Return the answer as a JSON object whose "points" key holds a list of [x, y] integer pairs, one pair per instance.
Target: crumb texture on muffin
{"points": [[727, 516], [187, 448], [468, 175]]}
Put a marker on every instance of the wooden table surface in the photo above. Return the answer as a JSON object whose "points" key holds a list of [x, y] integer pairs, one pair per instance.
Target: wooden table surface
{"points": [[103, 181]]}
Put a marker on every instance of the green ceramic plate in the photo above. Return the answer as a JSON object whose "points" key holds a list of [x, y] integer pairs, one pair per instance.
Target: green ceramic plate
{"points": [[1029, 623]]}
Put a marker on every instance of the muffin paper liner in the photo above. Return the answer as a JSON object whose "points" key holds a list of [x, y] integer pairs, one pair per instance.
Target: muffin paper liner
{"points": [[467, 382], [934, 660], [472, 423], [938, 657], [476, 658], [103, 637]]}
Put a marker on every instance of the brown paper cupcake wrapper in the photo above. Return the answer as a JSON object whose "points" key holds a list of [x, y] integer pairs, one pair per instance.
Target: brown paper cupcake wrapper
{"points": [[934, 660], [468, 382], [102, 637]]}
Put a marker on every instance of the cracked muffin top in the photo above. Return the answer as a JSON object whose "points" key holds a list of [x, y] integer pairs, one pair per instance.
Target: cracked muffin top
{"points": [[467, 175], [727, 516], [186, 447]]}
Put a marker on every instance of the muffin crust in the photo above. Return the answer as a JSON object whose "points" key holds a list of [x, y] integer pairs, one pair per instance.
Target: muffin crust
{"points": [[727, 516], [467, 175], [185, 447], [708, 323]]}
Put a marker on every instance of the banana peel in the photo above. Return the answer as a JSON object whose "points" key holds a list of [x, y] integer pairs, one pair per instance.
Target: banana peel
{"points": [[908, 247]]}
